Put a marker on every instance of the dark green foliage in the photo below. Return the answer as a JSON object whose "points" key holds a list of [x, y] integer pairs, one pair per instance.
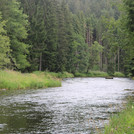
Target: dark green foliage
{"points": [[129, 19], [37, 37], [51, 24], [70, 35], [130, 10]]}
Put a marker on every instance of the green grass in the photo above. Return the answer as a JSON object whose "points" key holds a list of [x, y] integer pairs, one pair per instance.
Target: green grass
{"points": [[122, 123], [119, 74], [15, 80], [98, 74], [12, 80], [92, 74]]}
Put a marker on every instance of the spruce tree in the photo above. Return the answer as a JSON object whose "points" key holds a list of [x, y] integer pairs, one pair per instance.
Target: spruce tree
{"points": [[51, 24]]}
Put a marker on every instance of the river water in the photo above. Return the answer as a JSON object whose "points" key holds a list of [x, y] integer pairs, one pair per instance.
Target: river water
{"points": [[80, 106]]}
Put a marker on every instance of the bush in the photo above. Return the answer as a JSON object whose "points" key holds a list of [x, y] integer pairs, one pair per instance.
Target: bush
{"points": [[119, 74]]}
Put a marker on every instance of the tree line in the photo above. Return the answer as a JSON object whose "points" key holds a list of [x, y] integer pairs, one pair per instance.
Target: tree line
{"points": [[67, 35]]}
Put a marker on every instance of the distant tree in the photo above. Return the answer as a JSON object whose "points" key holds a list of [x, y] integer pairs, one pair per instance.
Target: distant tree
{"points": [[51, 25], [80, 55], [62, 35], [65, 37], [94, 58]]}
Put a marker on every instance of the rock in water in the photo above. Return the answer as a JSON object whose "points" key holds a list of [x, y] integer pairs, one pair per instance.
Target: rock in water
{"points": [[109, 77]]}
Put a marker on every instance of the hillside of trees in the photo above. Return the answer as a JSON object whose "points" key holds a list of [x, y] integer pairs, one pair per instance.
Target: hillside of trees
{"points": [[67, 35]]}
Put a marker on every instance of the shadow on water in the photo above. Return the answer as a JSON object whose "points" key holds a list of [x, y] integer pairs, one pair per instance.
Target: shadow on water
{"points": [[80, 106], [25, 118]]}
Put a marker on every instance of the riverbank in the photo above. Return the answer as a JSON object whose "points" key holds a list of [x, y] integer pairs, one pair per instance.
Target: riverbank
{"points": [[98, 74], [12, 80], [123, 122]]}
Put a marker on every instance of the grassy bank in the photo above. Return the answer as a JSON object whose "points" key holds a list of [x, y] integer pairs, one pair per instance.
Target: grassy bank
{"points": [[15, 80], [92, 74], [12, 80], [98, 74], [122, 123]]}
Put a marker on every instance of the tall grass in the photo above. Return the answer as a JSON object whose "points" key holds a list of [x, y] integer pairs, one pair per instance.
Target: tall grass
{"points": [[15, 80], [122, 123]]}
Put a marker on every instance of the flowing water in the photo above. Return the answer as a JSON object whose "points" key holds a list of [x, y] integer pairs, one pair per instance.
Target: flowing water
{"points": [[80, 106]]}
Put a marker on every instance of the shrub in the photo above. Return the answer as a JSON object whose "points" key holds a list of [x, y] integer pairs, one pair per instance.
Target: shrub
{"points": [[119, 74]]}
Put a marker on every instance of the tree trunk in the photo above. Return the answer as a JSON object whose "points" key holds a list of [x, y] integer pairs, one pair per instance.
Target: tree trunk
{"points": [[101, 61], [115, 62], [40, 67], [118, 59], [101, 56], [106, 64], [87, 36]]}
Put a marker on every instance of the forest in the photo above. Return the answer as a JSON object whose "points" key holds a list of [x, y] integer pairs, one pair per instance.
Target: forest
{"points": [[45, 41], [67, 35]]}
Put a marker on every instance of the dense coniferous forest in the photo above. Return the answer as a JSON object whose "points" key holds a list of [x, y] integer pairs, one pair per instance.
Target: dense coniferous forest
{"points": [[67, 35]]}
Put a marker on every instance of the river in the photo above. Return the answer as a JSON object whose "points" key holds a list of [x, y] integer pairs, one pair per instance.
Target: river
{"points": [[80, 106]]}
